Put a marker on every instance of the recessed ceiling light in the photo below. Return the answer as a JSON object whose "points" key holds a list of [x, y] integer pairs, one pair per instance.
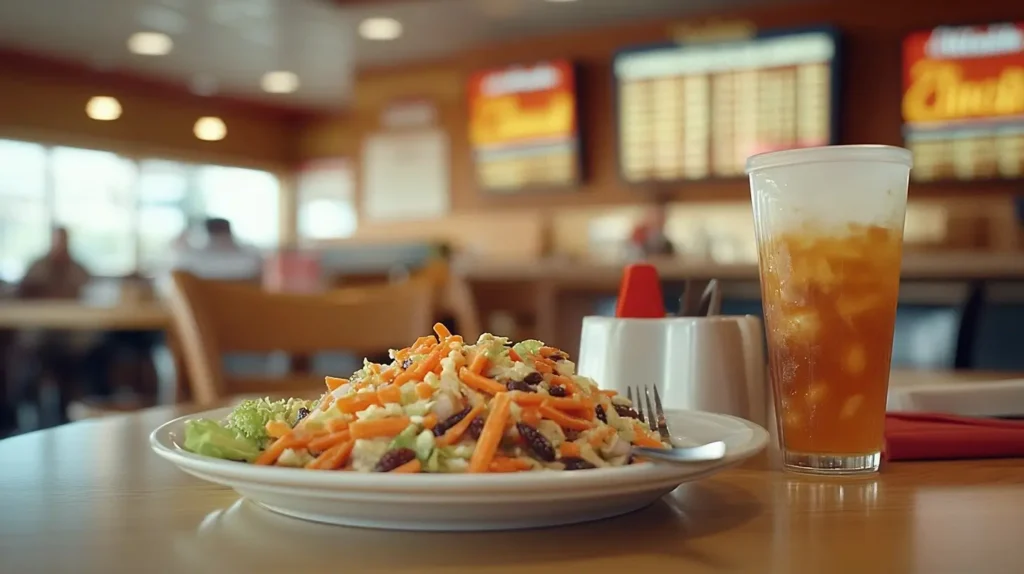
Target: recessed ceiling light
{"points": [[103, 108], [210, 128], [280, 82], [380, 28], [150, 44]]}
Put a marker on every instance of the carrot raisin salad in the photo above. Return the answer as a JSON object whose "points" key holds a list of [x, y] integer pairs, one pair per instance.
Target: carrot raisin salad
{"points": [[440, 406]]}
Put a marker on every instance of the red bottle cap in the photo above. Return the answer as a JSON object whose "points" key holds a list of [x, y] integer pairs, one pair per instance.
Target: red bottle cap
{"points": [[640, 293]]}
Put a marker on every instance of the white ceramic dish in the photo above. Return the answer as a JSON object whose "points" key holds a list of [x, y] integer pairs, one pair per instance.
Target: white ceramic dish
{"points": [[466, 502]]}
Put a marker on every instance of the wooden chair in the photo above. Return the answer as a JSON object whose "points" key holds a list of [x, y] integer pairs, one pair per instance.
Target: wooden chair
{"points": [[212, 318]]}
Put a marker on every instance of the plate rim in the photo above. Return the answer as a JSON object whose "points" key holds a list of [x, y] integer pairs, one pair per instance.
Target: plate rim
{"points": [[601, 478]]}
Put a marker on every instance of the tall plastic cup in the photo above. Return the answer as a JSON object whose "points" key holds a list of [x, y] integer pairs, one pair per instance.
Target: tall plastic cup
{"points": [[829, 227]]}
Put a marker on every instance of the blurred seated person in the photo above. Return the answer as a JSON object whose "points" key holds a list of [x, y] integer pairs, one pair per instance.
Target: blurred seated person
{"points": [[218, 256], [55, 275], [648, 237]]}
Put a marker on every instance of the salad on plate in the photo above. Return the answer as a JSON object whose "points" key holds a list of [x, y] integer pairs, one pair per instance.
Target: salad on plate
{"points": [[441, 406]]}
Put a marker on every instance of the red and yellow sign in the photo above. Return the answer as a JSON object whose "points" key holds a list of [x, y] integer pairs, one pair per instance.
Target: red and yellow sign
{"points": [[522, 104], [964, 73]]}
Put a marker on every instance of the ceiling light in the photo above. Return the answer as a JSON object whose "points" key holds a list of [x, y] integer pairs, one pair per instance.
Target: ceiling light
{"points": [[103, 108], [210, 128], [150, 44], [380, 28], [280, 82]]}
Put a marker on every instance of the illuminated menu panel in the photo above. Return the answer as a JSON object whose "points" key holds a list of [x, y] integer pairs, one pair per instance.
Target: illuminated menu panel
{"points": [[523, 127], [963, 102], [692, 112]]}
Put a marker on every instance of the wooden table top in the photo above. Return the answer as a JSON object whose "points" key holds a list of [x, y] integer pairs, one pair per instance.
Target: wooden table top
{"points": [[91, 497], [75, 315]]}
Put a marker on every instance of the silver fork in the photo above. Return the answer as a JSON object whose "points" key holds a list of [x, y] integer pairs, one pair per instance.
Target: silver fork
{"points": [[654, 418]]}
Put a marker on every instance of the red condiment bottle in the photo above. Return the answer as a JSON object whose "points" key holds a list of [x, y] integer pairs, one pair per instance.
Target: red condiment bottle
{"points": [[640, 293]]}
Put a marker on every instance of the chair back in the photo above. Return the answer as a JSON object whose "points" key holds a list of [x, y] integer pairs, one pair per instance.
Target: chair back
{"points": [[213, 318]]}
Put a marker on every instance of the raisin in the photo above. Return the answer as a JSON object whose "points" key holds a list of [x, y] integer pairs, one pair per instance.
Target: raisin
{"points": [[599, 411], [536, 442], [571, 435], [557, 391], [534, 379], [558, 357], [520, 386], [406, 363], [476, 427], [393, 459], [575, 463], [443, 426], [303, 413], [625, 411]]}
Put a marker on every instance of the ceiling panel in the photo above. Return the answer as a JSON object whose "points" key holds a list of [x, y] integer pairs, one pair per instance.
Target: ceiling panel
{"points": [[225, 46]]}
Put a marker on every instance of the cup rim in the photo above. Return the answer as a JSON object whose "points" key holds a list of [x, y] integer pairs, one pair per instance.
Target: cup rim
{"points": [[873, 153], [666, 319]]}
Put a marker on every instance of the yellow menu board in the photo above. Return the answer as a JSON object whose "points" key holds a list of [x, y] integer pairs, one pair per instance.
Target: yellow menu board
{"points": [[523, 127], [963, 102], [692, 112]]}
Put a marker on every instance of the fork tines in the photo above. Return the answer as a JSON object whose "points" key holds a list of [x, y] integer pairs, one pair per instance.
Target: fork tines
{"points": [[653, 416]]}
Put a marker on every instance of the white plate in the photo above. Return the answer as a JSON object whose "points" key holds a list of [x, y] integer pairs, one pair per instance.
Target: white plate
{"points": [[463, 501]]}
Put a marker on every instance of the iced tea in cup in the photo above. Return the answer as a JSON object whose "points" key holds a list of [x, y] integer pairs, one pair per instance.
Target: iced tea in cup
{"points": [[829, 227]]}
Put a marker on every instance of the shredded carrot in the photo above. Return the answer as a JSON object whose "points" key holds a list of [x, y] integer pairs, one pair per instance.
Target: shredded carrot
{"points": [[506, 464], [430, 421], [479, 363], [527, 399], [548, 351], [452, 435], [417, 372], [335, 425], [442, 331], [277, 429], [332, 458], [490, 436], [564, 420], [358, 402], [276, 448], [389, 374], [480, 382], [389, 394], [568, 450], [609, 393], [375, 368], [388, 427], [327, 441], [403, 354], [411, 467], [571, 404], [531, 416], [641, 438], [424, 341], [543, 368], [334, 382], [424, 390], [512, 354]]}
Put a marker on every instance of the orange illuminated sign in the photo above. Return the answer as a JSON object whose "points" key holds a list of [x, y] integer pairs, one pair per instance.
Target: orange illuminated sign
{"points": [[522, 104], [964, 73]]}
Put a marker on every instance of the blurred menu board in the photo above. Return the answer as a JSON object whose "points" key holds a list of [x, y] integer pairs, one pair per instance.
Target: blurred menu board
{"points": [[523, 126], [963, 102], [697, 111]]}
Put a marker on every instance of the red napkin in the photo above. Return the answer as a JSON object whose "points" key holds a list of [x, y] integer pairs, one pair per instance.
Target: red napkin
{"points": [[932, 436], [640, 293]]}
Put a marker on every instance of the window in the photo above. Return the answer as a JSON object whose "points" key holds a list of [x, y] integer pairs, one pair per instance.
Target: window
{"points": [[245, 197], [24, 218], [122, 214], [94, 199]]}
